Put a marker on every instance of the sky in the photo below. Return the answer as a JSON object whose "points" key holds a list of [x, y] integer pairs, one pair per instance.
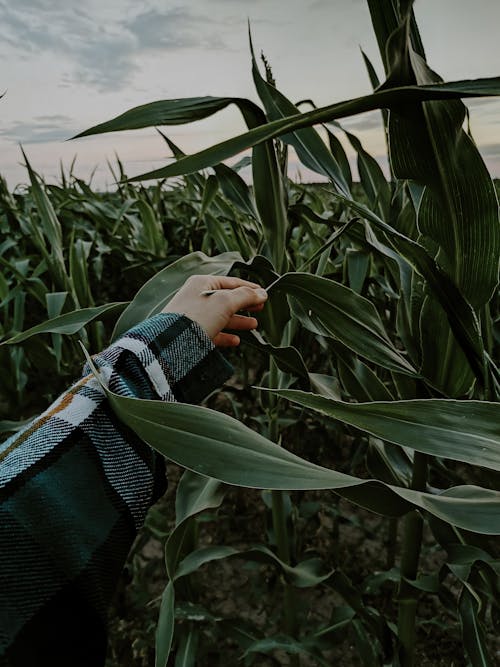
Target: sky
{"points": [[68, 65]]}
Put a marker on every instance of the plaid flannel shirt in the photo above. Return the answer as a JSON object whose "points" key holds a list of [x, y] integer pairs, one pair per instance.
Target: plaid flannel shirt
{"points": [[75, 486]]}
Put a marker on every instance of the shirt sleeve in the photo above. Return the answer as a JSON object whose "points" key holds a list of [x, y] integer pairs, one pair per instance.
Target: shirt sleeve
{"points": [[75, 486]]}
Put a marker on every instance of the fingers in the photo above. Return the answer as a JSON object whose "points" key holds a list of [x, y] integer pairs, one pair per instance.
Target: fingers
{"points": [[218, 311], [230, 282], [242, 323], [255, 309], [226, 340]]}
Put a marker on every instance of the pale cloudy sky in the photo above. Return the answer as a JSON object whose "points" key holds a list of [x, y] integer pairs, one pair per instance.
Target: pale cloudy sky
{"points": [[68, 65]]}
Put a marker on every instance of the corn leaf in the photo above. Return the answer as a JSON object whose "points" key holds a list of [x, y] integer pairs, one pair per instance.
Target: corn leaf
{"points": [[308, 144], [459, 208], [235, 189], [168, 112], [378, 100], [462, 318], [194, 495], [165, 627], [460, 430], [331, 309], [218, 446], [68, 323], [188, 646], [473, 631]]}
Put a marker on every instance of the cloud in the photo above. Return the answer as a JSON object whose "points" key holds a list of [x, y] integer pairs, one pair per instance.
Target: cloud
{"points": [[103, 50], [43, 129], [177, 28]]}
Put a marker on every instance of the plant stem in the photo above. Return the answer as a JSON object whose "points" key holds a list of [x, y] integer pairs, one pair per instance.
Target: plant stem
{"points": [[283, 549], [280, 526], [408, 595], [392, 539]]}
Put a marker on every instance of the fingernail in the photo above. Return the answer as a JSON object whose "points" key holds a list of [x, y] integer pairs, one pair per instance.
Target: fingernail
{"points": [[262, 293]]}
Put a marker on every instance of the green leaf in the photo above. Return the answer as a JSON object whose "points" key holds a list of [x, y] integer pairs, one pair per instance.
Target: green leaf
{"points": [[459, 430], [358, 266], [188, 645], [459, 208], [380, 99], [358, 379], [338, 152], [235, 189], [389, 462], [55, 302], [51, 228], [364, 643], [69, 323], [168, 112], [308, 144], [473, 634], [196, 494], [326, 385], [304, 575], [158, 291], [4, 287], [216, 445], [463, 320], [288, 359], [269, 195], [165, 627], [331, 309], [79, 276], [317, 254], [444, 363], [372, 178], [209, 193], [283, 643], [151, 228]]}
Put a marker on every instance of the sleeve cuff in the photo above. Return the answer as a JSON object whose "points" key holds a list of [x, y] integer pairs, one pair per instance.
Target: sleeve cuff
{"points": [[177, 356]]}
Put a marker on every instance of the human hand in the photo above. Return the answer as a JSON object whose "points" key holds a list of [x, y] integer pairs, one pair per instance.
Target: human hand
{"points": [[219, 310]]}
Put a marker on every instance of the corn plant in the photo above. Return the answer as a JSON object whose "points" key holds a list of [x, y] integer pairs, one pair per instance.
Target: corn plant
{"points": [[393, 284]]}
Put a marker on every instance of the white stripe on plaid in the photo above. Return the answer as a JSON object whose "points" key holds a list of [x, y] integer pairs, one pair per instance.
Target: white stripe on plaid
{"points": [[34, 448]]}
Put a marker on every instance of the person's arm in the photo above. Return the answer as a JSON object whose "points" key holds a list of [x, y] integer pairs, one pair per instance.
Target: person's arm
{"points": [[76, 484]]}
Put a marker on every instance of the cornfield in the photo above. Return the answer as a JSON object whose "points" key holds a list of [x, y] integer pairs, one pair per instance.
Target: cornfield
{"points": [[367, 402]]}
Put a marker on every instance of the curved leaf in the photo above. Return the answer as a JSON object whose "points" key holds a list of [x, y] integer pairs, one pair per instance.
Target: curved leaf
{"points": [[288, 359], [168, 112], [304, 575], [331, 309], [194, 495], [69, 323], [473, 631], [378, 100], [218, 446], [460, 430]]}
